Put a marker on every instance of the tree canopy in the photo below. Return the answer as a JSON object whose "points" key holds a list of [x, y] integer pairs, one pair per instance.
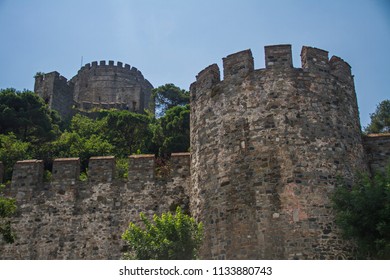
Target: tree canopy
{"points": [[380, 119], [29, 129], [128, 132], [26, 115], [173, 131], [363, 214], [167, 237], [7, 209], [12, 150], [168, 96]]}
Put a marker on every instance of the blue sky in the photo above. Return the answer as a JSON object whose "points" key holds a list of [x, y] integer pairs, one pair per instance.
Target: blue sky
{"points": [[170, 41]]}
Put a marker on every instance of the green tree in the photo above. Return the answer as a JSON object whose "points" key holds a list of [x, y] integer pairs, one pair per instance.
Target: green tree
{"points": [[169, 237], [128, 132], [12, 150], [86, 127], [86, 138], [71, 144], [7, 209], [380, 119], [174, 135], [112, 132], [363, 214], [27, 116], [168, 96]]}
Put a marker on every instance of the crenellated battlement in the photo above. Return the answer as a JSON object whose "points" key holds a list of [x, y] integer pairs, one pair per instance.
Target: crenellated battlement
{"points": [[314, 59], [141, 168], [207, 78], [66, 170], [27, 173], [267, 146], [277, 58], [54, 76], [238, 64], [65, 217], [110, 66], [97, 85], [340, 69]]}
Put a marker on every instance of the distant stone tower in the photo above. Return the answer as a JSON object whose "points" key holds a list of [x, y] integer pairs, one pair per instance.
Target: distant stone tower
{"points": [[56, 91], [102, 86], [267, 146]]}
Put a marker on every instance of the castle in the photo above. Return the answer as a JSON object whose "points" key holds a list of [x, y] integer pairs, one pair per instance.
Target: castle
{"points": [[266, 148], [96, 86]]}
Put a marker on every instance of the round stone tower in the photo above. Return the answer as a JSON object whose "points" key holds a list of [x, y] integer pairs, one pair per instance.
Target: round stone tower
{"points": [[111, 86], [267, 146], [96, 86]]}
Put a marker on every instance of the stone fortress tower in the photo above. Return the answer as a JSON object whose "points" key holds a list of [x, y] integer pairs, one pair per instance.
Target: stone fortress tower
{"points": [[267, 146], [102, 86]]}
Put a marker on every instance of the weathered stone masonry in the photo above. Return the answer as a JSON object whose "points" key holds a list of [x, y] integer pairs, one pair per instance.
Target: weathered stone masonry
{"points": [[101, 86], [70, 219], [266, 147], [377, 148]]}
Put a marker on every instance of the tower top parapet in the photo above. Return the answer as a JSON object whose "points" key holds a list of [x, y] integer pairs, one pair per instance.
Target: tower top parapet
{"points": [[240, 63], [252, 136], [110, 65], [314, 59], [277, 57]]}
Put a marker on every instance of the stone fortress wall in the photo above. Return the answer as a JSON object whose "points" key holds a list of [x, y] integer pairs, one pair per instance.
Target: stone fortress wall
{"points": [[266, 148], [377, 147], [97, 85], [69, 219]]}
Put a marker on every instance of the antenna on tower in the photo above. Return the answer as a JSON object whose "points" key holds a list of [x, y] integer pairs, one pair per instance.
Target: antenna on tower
{"points": [[81, 62]]}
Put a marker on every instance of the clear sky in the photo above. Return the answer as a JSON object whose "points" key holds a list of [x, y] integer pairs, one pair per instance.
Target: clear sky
{"points": [[170, 41]]}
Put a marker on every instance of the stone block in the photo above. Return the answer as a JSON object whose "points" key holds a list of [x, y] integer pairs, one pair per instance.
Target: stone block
{"points": [[180, 163], [315, 60], [27, 176], [208, 77], [377, 147], [141, 168], [238, 64], [340, 69], [101, 169], [66, 170], [278, 56]]}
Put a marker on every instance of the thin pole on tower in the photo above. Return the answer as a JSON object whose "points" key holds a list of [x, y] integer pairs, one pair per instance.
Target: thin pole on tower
{"points": [[81, 65]]}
